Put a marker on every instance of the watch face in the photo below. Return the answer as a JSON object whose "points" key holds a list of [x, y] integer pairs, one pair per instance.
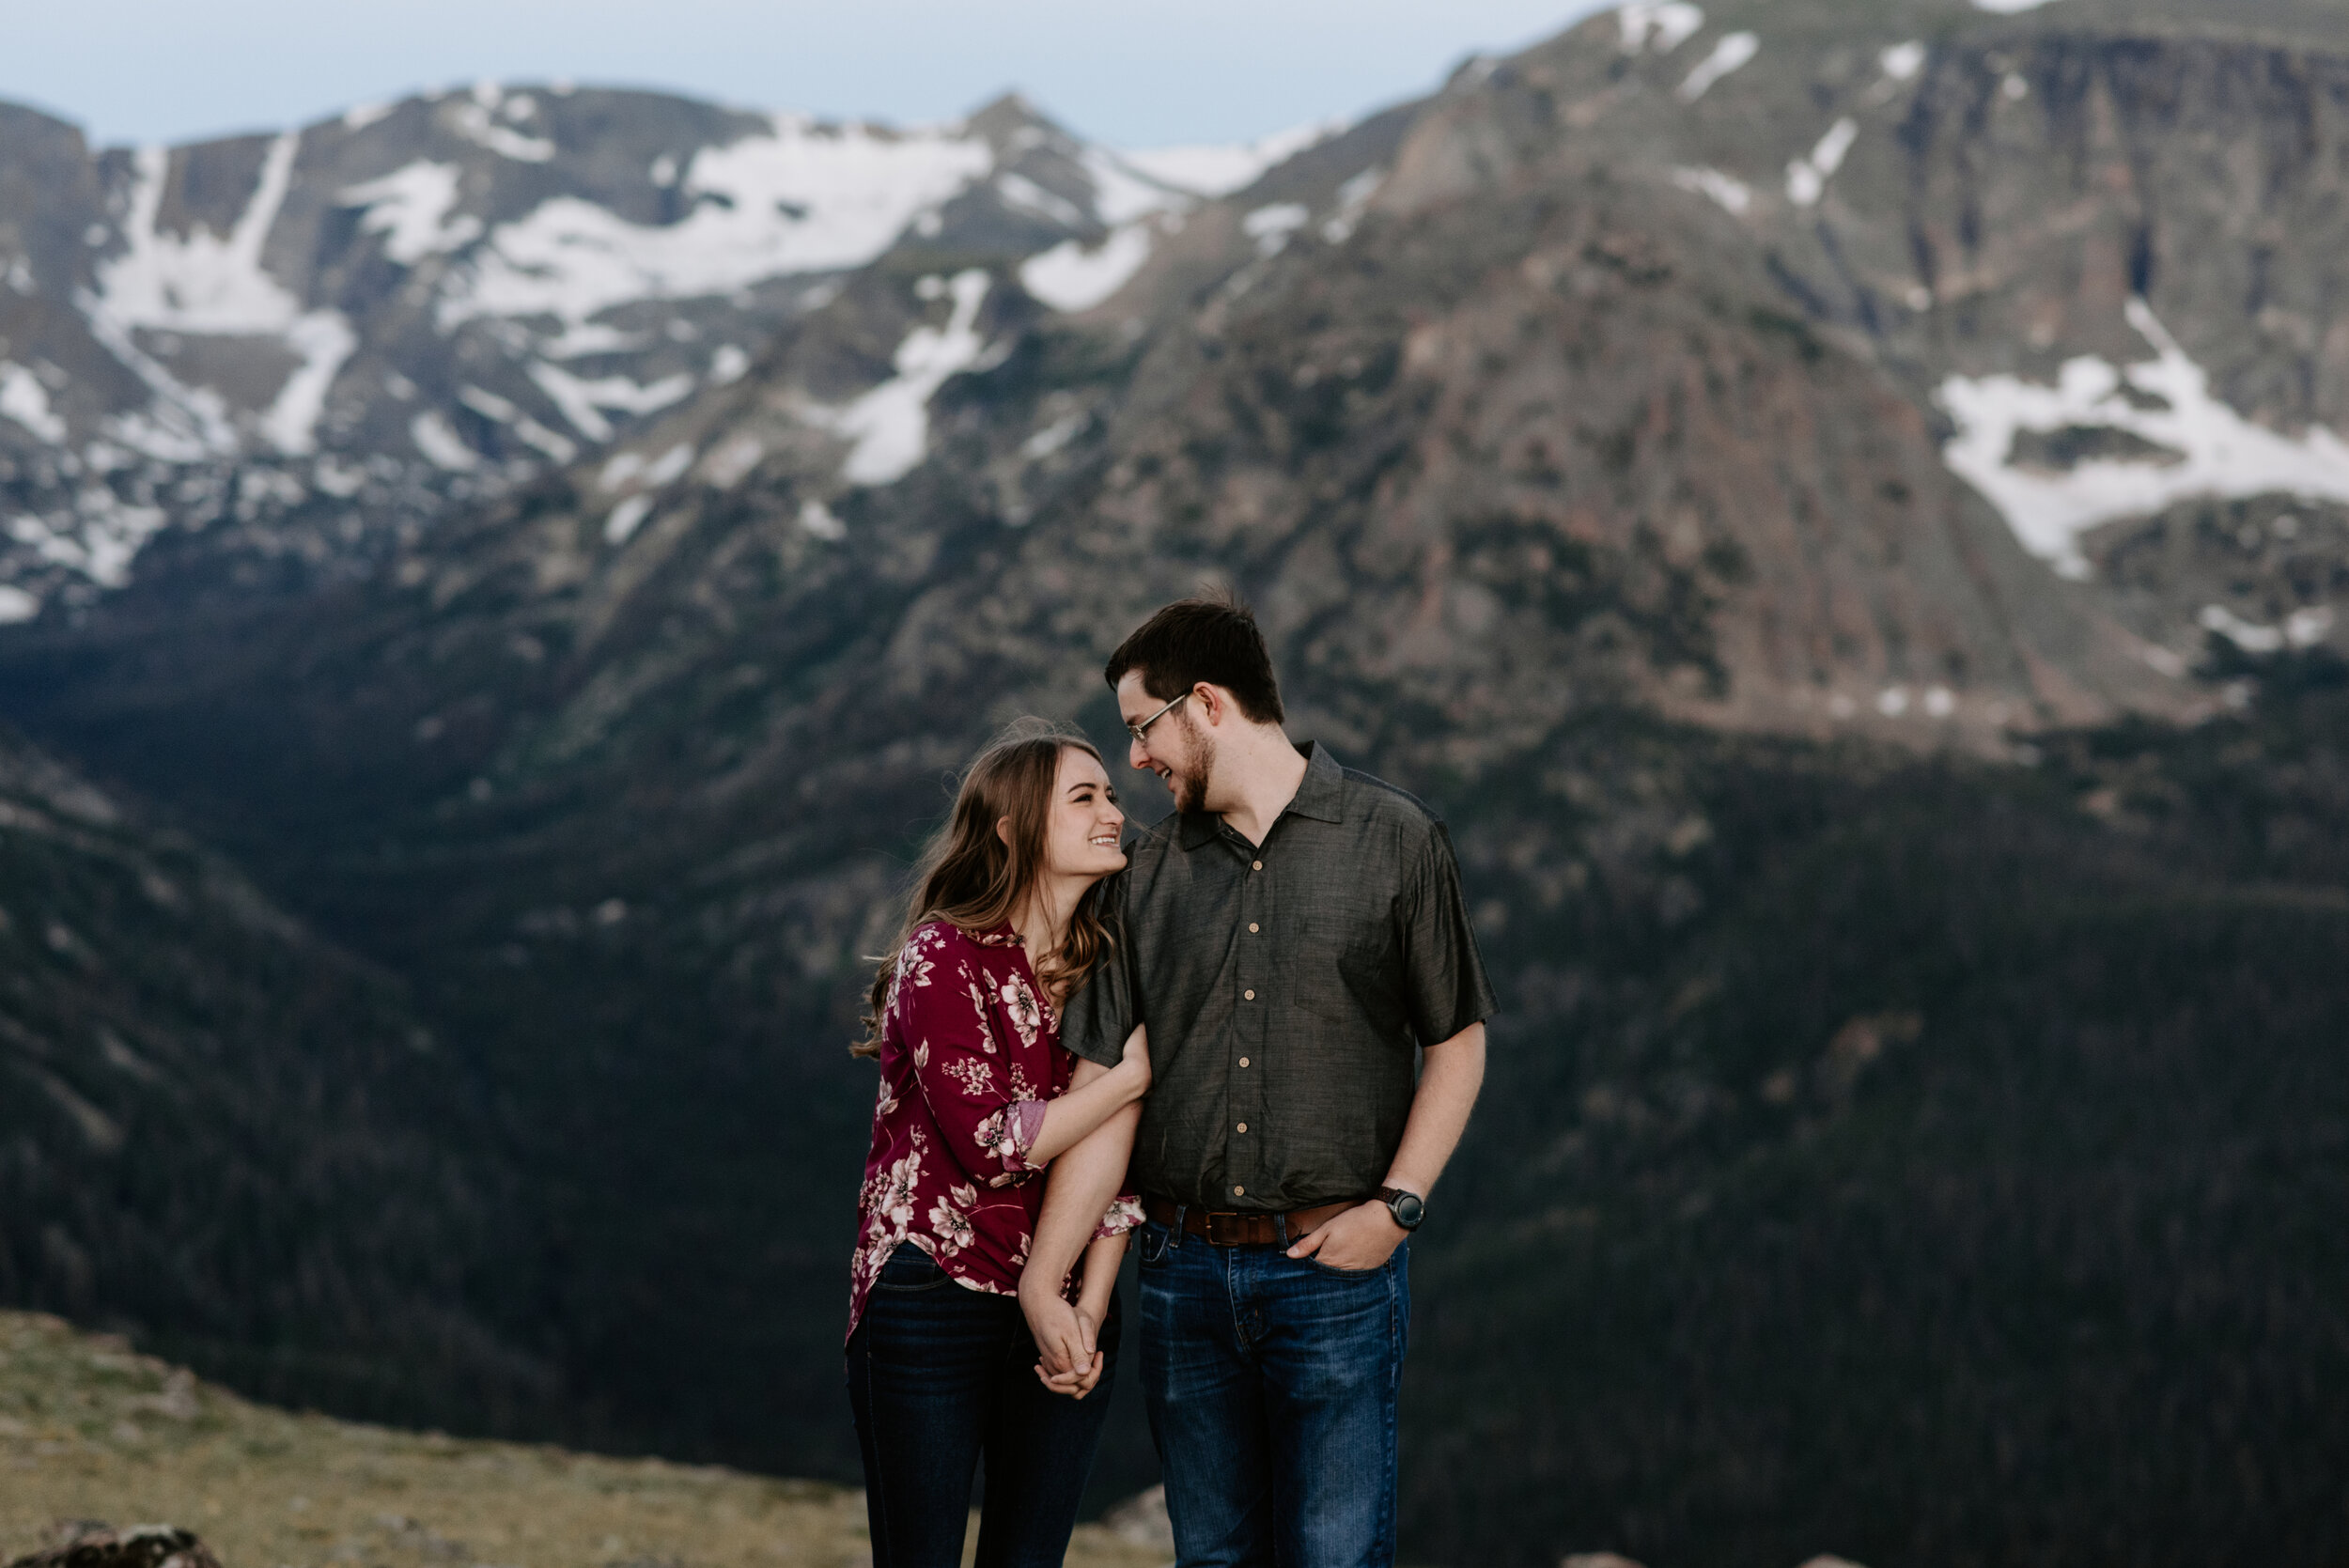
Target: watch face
{"points": [[1409, 1210]]}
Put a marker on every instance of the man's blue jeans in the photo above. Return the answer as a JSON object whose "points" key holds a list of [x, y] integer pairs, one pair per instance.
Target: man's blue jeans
{"points": [[1271, 1387]]}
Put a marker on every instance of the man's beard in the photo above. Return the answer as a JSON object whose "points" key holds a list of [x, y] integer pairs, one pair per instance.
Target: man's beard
{"points": [[1191, 784]]}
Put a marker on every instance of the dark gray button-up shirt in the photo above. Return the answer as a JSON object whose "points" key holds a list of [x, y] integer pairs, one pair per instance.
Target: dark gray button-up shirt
{"points": [[1289, 988]]}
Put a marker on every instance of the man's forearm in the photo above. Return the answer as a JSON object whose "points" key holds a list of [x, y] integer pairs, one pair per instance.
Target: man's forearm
{"points": [[1451, 1074], [1077, 1193]]}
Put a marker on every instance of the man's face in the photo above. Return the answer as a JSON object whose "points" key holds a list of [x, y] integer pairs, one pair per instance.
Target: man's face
{"points": [[1176, 747]]}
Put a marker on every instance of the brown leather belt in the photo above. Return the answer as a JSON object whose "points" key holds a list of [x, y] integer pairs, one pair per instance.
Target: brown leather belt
{"points": [[1245, 1230]]}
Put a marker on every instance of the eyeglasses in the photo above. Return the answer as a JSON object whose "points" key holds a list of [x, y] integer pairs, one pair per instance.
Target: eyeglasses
{"points": [[1142, 731]]}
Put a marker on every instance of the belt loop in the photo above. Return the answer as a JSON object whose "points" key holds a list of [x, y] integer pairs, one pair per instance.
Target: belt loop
{"points": [[1281, 1230], [1177, 1239]]}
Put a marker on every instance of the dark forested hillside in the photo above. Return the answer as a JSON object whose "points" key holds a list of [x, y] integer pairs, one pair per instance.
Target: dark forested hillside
{"points": [[1912, 1161], [219, 1129]]}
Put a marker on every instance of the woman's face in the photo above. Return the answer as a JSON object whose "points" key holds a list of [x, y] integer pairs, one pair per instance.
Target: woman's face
{"points": [[1081, 835]]}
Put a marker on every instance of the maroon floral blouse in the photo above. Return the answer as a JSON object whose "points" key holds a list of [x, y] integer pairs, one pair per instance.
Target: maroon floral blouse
{"points": [[970, 1057]]}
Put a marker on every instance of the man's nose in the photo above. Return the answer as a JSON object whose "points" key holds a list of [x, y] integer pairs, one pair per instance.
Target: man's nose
{"points": [[1138, 754]]}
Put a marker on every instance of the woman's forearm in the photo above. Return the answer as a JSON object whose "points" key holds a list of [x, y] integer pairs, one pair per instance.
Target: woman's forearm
{"points": [[1078, 1192], [1102, 1261], [1095, 1094]]}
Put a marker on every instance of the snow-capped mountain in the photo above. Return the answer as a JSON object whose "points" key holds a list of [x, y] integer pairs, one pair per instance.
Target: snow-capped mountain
{"points": [[424, 300]]}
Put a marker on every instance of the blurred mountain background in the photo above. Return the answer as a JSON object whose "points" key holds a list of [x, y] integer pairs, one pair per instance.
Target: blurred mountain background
{"points": [[1840, 506]]}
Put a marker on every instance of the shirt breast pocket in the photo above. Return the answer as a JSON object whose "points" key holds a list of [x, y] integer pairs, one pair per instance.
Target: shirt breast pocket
{"points": [[1347, 965]]}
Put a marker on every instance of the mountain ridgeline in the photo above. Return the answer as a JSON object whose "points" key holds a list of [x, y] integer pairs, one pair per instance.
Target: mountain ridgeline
{"points": [[1842, 514]]}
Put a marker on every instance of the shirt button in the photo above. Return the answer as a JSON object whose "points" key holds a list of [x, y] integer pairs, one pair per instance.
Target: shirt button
{"points": [[1243, 1062], [1255, 865], [1252, 928], [1243, 1127], [1239, 1192], [1248, 995]]}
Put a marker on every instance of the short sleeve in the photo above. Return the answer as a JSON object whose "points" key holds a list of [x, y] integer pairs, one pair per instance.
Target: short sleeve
{"points": [[1445, 985], [1098, 1015]]}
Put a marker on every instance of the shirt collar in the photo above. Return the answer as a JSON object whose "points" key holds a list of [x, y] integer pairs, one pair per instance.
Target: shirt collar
{"points": [[1321, 795]]}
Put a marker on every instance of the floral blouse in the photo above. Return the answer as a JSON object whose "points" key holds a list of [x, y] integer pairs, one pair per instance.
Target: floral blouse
{"points": [[970, 1058]]}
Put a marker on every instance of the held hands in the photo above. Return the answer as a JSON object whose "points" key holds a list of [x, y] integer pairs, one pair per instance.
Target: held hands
{"points": [[1363, 1238], [1079, 1381], [1063, 1343]]}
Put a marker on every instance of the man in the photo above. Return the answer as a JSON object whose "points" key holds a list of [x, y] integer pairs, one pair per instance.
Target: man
{"points": [[1296, 941]]}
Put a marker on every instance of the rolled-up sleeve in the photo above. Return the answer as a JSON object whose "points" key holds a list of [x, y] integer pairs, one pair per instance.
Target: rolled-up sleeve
{"points": [[1444, 981]]}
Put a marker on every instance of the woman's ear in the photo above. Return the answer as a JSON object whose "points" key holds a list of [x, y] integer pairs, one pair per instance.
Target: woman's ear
{"points": [[1003, 830]]}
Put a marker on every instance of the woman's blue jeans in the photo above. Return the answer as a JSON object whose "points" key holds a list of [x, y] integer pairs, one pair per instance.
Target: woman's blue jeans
{"points": [[1271, 1384], [938, 1375]]}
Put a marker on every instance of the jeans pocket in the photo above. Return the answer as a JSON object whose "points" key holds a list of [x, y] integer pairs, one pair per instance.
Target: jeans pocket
{"points": [[1153, 1244], [1336, 1273], [909, 1270]]}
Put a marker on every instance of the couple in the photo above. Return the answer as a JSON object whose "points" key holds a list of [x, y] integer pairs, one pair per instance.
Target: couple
{"points": [[1294, 940]]}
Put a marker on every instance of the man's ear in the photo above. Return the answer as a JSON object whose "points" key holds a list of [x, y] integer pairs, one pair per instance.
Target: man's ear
{"points": [[1211, 705]]}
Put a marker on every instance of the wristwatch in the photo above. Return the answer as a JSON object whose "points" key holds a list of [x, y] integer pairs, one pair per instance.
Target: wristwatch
{"points": [[1408, 1208]]}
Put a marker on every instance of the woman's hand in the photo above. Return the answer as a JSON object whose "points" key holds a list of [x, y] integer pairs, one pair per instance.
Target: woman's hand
{"points": [[1063, 1339], [1082, 1380]]}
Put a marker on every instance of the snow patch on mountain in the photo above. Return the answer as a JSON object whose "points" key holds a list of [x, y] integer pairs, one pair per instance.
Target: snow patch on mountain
{"points": [[889, 425], [583, 401], [324, 341], [1734, 195], [1072, 276], [1669, 24], [1807, 178], [441, 446], [2010, 7], [1270, 226], [410, 207], [472, 122], [1026, 194], [24, 399], [202, 283], [1219, 169], [806, 197], [1733, 53], [626, 518], [2205, 448], [1353, 201]]}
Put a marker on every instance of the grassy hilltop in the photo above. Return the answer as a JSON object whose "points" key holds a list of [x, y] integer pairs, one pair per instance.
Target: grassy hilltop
{"points": [[89, 1430]]}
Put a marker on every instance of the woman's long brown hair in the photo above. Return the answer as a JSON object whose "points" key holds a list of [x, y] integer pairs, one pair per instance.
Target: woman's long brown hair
{"points": [[970, 876]]}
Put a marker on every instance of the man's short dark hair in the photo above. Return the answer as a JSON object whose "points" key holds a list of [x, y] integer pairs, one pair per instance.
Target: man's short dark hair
{"points": [[1214, 640]]}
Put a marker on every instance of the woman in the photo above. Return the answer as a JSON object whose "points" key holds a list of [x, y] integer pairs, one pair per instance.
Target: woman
{"points": [[976, 1099]]}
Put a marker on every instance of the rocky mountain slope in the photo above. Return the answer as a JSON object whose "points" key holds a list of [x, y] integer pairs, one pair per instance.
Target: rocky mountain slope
{"points": [[1644, 447], [308, 341]]}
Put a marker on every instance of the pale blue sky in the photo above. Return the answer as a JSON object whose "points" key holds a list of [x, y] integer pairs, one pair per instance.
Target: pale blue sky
{"points": [[1131, 72]]}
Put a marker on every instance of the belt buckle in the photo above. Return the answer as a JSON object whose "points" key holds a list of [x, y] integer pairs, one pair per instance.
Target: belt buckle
{"points": [[1223, 1230]]}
